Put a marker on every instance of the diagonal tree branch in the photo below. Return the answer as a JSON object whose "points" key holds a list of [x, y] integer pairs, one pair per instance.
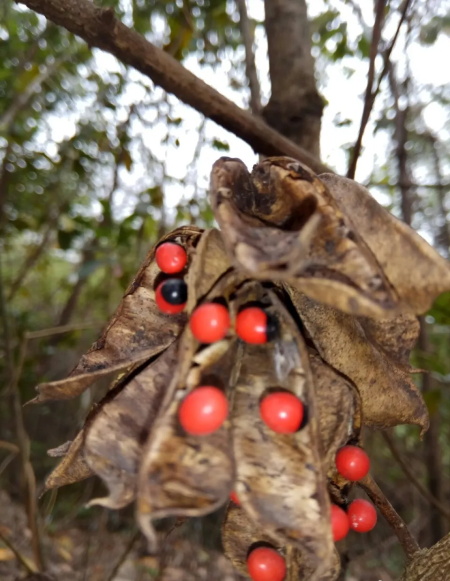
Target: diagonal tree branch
{"points": [[99, 28]]}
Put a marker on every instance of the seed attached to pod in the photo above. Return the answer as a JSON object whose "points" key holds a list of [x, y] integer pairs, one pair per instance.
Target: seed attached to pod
{"points": [[282, 412], [210, 322], [362, 515], [340, 524], [352, 462], [171, 296], [170, 257], [234, 498], [266, 564], [203, 410], [254, 325]]}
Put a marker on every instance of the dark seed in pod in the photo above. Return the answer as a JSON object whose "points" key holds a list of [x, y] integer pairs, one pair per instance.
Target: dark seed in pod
{"points": [[174, 291]]}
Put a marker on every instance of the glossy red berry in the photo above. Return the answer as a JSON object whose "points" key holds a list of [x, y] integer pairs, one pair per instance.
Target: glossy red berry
{"points": [[266, 564], [234, 498], [253, 325], [210, 322], [170, 257], [340, 524], [362, 515], [171, 296], [203, 410], [282, 412], [352, 462]]}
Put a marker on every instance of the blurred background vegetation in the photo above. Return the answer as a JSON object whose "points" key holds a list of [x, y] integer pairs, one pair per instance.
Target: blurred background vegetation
{"points": [[96, 162]]}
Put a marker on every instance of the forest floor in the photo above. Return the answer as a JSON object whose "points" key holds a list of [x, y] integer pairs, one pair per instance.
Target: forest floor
{"points": [[74, 554]]}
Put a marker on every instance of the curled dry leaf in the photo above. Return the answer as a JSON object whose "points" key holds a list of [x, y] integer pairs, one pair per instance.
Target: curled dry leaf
{"points": [[389, 396], [72, 468], [281, 222], [183, 474], [113, 440], [411, 265], [137, 331], [110, 442]]}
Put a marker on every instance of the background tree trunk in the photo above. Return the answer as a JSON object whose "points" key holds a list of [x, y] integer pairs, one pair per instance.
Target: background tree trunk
{"points": [[295, 106]]}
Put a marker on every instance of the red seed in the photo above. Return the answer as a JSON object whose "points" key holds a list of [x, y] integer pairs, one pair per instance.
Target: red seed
{"points": [[234, 498], [362, 515], [282, 412], [251, 325], [203, 410], [170, 257], [266, 564], [352, 462], [210, 322], [340, 524]]}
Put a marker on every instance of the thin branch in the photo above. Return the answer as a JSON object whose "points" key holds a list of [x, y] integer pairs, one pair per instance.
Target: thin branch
{"points": [[401, 138], [398, 525], [368, 99], [27, 469], [123, 556], [250, 67], [99, 28], [22, 560], [61, 329], [31, 260], [413, 478]]}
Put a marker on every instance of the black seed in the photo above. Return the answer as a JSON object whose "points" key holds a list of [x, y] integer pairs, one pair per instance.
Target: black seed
{"points": [[272, 328], [174, 291]]}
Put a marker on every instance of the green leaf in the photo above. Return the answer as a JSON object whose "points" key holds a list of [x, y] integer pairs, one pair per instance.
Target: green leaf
{"points": [[220, 145]]}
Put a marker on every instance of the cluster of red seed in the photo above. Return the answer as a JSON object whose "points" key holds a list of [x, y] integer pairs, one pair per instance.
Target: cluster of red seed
{"points": [[353, 464], [205, 409]]}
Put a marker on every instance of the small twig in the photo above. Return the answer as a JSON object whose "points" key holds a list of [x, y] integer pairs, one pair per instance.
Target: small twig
{"points": [[31, 260], [22, 560], [398, 525], [13, 451], [250, 67], [9, 446], [123, 556], [412, 477], [370, 97], [61, 329]]}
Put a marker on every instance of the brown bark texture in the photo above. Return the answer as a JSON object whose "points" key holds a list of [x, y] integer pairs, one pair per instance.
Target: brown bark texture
{"points": [[430, 564], [99, 28], [295, 106]]}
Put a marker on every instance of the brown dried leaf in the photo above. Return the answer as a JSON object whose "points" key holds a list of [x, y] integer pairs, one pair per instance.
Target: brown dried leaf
{"points": [[339, 410], [182, 474], [114, 438], [388, 395], [209, 263], [281, 222], [137, 331], [411, 265], [72, 468]]}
